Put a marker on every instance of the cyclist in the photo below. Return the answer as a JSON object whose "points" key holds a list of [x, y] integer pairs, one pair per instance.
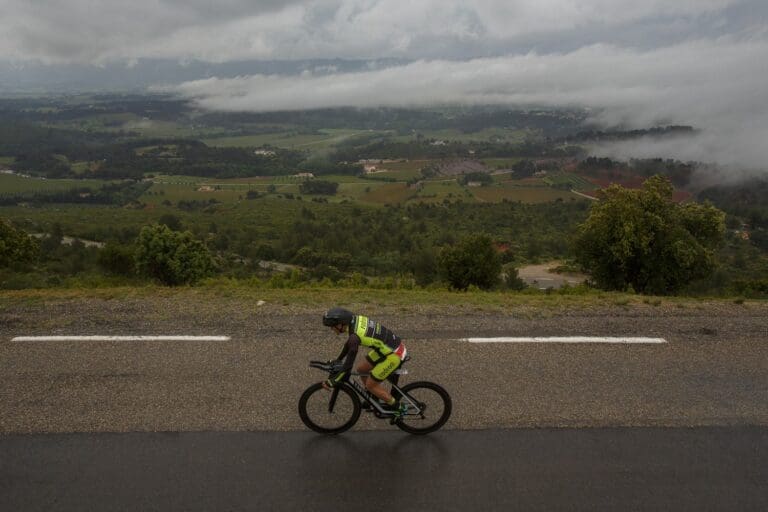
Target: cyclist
{"points": [[386, 355]]}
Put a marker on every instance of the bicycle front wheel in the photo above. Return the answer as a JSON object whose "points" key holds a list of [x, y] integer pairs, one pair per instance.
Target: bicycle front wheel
{"points": [[329, 412], [428, 407]]}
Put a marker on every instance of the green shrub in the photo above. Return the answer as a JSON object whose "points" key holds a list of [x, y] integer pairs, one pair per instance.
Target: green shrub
{"points": [[16, 246], [171, 257], [472, 261]]}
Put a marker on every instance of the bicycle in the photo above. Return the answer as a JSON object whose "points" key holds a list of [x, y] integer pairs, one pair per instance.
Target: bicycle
{"points": [[428, 405]]}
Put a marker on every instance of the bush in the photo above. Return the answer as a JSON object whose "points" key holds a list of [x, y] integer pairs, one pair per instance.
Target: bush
{"points": [[16, 246], [171, 257], [472, 262], [318, 187]]}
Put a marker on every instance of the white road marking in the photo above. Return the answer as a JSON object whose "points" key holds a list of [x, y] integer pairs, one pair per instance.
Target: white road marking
{"points": [[567, 339], [121, 338]]}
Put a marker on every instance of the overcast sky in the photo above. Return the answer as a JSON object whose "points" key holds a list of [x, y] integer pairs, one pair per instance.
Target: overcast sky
{"points": [[699, 62]]}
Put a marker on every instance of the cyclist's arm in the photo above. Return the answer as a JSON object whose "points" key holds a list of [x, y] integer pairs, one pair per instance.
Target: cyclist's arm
{"points": [[348, 353]]}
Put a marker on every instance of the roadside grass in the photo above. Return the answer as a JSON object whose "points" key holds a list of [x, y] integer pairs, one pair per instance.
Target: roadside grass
{"points": [[527, 303]]}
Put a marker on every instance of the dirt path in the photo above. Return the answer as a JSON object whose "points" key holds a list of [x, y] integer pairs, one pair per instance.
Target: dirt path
{"points": [[540, 276]]}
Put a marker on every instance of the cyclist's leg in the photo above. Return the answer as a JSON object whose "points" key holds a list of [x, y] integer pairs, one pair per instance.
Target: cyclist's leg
{"points": [[379, 373], [366, 365]]}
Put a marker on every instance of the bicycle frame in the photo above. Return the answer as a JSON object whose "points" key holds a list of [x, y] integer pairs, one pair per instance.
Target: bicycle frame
{"points": [[365, 396]]}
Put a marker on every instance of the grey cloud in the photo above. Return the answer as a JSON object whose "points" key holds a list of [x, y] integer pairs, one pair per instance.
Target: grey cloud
{"points": [[699, 62], [715, 86], [83, 31]]}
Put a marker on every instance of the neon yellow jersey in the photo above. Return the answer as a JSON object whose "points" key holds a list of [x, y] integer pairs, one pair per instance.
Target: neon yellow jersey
{"points": [[373, 334]]}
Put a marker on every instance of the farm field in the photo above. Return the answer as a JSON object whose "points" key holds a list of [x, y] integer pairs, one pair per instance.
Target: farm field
{"points": [[388, 193], [576, 182], [170, 190], [13, 184], [484, 135], [496, 193], [324, 140]]}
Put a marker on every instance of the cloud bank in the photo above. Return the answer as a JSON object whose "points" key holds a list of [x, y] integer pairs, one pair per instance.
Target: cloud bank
{"points": [[716, 86], [697, 62]]}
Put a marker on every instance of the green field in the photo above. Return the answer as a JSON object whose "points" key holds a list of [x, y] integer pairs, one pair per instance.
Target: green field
{"points": [[388, 193], [561, 179], [324, 140], [375, 189], [14, 184], [496, 193], [485, 135]]}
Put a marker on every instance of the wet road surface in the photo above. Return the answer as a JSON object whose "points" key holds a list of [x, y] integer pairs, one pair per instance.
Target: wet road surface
{"points": [[702, 469]]}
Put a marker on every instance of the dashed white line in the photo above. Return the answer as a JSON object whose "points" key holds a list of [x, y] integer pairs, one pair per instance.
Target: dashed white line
{"points": [[121, 338], [567, 339]]}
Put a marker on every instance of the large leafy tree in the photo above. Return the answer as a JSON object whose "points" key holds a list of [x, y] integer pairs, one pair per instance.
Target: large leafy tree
{"points": [[643, 239], [16, 246], [472, 261], [173, 258]]}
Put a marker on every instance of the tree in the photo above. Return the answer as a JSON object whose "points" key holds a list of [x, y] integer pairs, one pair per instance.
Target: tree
{"points": [[472, 261], [173, 258], [318, 187], [15, 245], [643, 239]]}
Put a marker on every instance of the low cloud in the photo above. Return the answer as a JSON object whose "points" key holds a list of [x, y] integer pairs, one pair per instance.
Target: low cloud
{"points": [[716, 86]]}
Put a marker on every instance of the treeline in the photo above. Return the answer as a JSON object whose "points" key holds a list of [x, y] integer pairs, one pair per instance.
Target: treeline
{"points": [[678, 172], [26, 139], [614, 135], [550, 123], [112, 193], [52, 110], [747, 201], [194, 158], [422, 149]]}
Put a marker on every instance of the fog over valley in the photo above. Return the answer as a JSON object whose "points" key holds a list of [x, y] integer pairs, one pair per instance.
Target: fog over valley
{"points": [[682, 62]]}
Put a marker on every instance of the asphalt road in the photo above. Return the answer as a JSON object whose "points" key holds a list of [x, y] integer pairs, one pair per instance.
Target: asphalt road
{"points": [[675, 426], [638, 469], [712, 372]]}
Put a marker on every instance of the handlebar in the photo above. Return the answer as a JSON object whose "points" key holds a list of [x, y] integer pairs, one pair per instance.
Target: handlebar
{"points": [[336, 366], [326, 366]]}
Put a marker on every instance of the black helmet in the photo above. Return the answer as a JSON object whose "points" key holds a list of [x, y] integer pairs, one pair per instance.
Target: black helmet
{"points": [[336, 316]]}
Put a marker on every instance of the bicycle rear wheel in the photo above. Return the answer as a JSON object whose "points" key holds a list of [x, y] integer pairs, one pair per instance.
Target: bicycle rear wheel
{"points": [[329, 412], [428, 408]]}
